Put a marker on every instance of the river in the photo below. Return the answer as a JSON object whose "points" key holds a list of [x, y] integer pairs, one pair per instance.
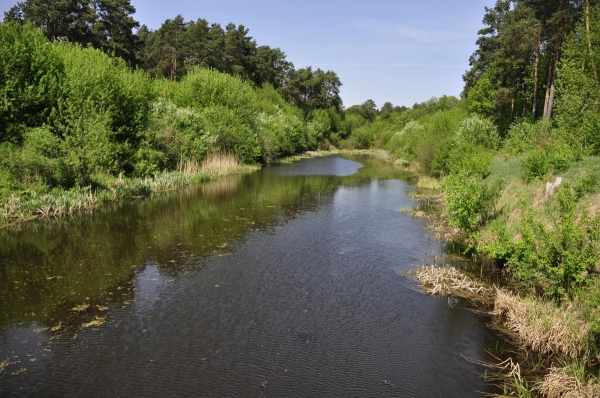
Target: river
{"points": [[286, 282]]}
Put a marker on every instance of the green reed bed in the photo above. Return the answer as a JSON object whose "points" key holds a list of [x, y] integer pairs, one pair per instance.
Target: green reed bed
{"points": [[60, 202]]}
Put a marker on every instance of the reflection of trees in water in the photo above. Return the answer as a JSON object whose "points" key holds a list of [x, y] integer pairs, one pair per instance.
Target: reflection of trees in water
{"points": [[49, 268]]}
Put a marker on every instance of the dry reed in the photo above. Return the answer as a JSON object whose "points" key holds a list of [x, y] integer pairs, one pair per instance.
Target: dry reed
{"points": [[220, 163], [541, 325], [560, 384], [448, 280]]}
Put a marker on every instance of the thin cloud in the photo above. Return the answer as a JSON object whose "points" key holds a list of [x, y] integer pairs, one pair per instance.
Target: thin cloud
{"points": [[420, 35]]}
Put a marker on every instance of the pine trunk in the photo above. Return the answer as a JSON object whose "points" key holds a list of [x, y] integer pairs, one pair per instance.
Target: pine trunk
{"points": [[536, 71], [589, 40]]}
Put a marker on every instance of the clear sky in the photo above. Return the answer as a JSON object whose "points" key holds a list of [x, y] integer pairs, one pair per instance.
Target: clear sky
{"points": [[386, 50]]}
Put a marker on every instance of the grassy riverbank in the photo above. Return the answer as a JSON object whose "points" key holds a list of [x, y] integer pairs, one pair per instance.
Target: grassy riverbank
{"points": [[490, 188], [79, 127], [104, 189], [548, 250]]}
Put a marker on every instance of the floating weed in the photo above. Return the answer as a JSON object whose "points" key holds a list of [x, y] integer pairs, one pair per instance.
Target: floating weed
{"points": [[97, 321], [4, 364]]}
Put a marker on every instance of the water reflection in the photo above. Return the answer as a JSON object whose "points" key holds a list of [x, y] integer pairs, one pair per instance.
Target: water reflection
{"points": [[277, 283]]}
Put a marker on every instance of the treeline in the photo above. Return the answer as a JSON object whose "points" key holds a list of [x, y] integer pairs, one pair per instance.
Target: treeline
{"points": [[73, 115], [178, 47], [538, 60]]}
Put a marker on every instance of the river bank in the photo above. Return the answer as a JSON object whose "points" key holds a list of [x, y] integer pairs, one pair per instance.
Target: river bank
{"points": [[557, 339], [30, 205]]}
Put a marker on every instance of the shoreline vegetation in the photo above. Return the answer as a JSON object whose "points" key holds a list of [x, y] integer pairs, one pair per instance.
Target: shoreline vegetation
{"points": [[512, 166], [59, 203]]}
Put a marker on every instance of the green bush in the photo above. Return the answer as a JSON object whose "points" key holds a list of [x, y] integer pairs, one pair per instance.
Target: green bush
{"points": [[478, 132], [31, 74], [560, 155], [557, 259], [470, 200], [535, 166], [520, 137]]}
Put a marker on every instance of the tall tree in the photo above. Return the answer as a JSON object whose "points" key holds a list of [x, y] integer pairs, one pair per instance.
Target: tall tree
{"points": [[58, 19], [239, 51], [522, 45], [113, 28], [313, 89], [270, 66]]}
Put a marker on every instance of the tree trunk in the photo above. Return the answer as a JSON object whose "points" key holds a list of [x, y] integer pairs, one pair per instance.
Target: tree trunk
{"points": [[536, 71], [589, 40], [552, 77], [525, 102], [549, 85]]}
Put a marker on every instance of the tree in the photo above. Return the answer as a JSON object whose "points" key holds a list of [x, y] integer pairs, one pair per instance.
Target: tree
{"points": [[271, 66], [113, 29], [239, 51], [106, 24], [312, 89], [58, 19], [166, 49], [522, 45]]}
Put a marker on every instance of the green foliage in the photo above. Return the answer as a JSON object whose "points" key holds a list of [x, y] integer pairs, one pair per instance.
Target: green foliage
{"points": [[586, 185], [535, 166], [557, 259], [470, 159], [478, 132], [106, 107], [521, 137], [470, 200], [482, 96], [81, 114], [578, 86], [552, 154], [30, 76]]}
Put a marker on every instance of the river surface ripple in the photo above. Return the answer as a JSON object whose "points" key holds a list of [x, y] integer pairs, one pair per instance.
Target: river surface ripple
{"points": [[287, 282]]}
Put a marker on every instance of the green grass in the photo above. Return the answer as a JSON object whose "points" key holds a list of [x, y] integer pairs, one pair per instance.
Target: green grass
{"points": [[59, 202]]}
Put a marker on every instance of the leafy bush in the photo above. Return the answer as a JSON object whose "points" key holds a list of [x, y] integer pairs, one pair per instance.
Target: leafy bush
{"points": [[31, 74], [535, 166], [470, 160], [557, 258], [479, 132], [560, 154], [470, 200], [520, 137]]}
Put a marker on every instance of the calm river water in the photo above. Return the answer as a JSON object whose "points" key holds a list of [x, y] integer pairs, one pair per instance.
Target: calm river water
{"points": [[287, 282]]}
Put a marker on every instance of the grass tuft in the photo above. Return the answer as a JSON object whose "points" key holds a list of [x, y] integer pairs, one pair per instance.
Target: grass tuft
{"points": [[560, 383], [545, 328]]}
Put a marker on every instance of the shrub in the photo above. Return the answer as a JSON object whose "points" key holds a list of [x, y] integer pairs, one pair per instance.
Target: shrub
{"points": [[535, 166], [470, 200], [478, 132], [520, 137], [557, 258], [31, 73], [470, 160]]}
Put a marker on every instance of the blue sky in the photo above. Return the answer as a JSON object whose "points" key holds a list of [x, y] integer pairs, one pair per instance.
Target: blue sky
{"points": [[386, 50]]}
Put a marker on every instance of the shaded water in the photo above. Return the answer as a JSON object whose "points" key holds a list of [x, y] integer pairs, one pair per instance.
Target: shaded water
{"points": [[285, 282]]}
